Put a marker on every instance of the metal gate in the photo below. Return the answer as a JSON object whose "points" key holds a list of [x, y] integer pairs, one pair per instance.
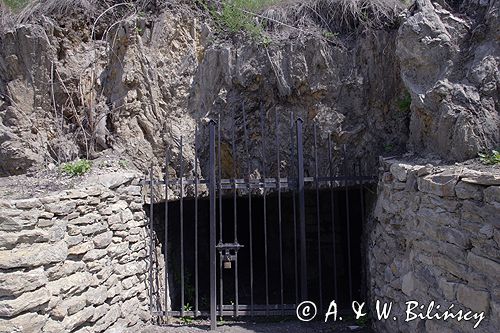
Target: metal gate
{"points": [[223, 253]]}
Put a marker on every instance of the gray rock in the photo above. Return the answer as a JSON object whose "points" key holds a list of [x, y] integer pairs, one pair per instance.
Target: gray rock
{"points": [[25, 323], [61, 208], [103, 240], [70, 323], [476, 300], [19, 282], [34, 255], [465, 190], [25, 302], [442, 185]]}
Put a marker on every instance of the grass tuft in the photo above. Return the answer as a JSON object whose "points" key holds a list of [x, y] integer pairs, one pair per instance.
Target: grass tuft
{"points": [[76, 168]]}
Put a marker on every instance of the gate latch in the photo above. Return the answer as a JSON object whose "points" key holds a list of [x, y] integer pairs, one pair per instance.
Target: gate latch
{"points": [[228, 253]]}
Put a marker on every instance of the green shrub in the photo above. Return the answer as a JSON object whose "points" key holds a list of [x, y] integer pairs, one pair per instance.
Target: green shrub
{"points": [[16, 5], [238, 15], [492, 158], [76, 168], [404, 103]]}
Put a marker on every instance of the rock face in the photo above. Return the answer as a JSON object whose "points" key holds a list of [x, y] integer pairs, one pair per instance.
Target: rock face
{"points": [[147, 82], [449, 63], [435, 237], [68, 279]]}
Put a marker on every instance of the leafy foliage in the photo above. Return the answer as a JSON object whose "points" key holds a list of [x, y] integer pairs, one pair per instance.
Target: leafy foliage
{"points": [[76, 168], [404, 103], [16, 5], [492, 158]]}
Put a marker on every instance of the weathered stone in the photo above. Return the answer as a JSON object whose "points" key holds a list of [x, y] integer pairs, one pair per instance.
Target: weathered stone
{"points": [[483, 179], [492, 194], [70, 285], [64, 269], [15, 283], [94, 228], [400, 171], [72, 322], [86, 219], [100, 311], [476, 300], [25, 323], [465, 190], [108, 319], [94, 254], [81, 248], [52, 326], [9, 221], [119, 249], [25, 302], [96, 296], [61, 208], [74, 240], [103, 240], [113, 180], [484, 265], [34, 255], [28, 203], [441, 185], [68, 307]]}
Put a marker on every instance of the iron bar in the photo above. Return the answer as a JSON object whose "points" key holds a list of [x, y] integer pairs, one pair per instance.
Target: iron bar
{"points": [[151, 203], [348, 225], [249, 172], [318, 220], [196, 182], [332, 212], [294, 207], [263, 145], [302, 217], [181, 219], [219, 166], [235, 216], [278, 184], [165, 243], [213, 258]]}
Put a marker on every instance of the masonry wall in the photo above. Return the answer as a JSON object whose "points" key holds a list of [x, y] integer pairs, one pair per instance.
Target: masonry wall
{"points": [[435, 237], [75, 261]]}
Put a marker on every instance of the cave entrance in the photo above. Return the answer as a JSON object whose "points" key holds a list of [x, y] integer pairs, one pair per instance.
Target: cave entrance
{"points": [[257, 245], [336, 245]]}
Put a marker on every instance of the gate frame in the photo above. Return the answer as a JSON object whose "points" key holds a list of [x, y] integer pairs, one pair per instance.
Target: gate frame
{"points": [[212, 181]]}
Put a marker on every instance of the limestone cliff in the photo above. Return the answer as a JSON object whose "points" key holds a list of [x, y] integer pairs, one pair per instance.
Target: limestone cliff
{"points": [[132, 82]]}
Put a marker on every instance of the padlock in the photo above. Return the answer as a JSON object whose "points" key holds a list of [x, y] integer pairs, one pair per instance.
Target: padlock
{"points": [[227, 265]]}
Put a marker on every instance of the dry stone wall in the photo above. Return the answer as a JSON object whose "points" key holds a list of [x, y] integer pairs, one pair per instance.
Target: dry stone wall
{"points": [[75, 261], [435, 237]]}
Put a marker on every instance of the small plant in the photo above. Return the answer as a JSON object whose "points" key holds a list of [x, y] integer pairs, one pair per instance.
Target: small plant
{"points": [[76, 168], [388, 147], [123, 164], [362, 321], [186, 320], [329, 34], [492, 158], [404, 103]]}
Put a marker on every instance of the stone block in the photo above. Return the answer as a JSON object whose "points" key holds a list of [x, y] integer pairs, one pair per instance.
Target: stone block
{"points": [[438, 184], [34, 255], [81, 248], [492, 194], [94, 254], [400, 171], [19, 282], [103, 240], [25, 323], [71, 285], [25, 302], [476, 300], [484, 265], [70, 323], [61, 208], [465, 190]]}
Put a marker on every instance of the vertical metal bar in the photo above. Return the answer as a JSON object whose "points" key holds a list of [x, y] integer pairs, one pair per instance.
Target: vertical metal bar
{"points": [[263, 144], [181, 219], [213, 258], [196, 183], [165, 255], [294, 207], [278, 184], [361, 195], [151, 212], [332, 211], [302, 216], [250, 235], [348, 224], [318, 220], [219, 166], [235, 216]]}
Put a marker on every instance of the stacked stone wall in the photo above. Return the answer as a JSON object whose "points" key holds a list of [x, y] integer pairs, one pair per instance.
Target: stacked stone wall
{"points": [[435, 237], [75, 261]]}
